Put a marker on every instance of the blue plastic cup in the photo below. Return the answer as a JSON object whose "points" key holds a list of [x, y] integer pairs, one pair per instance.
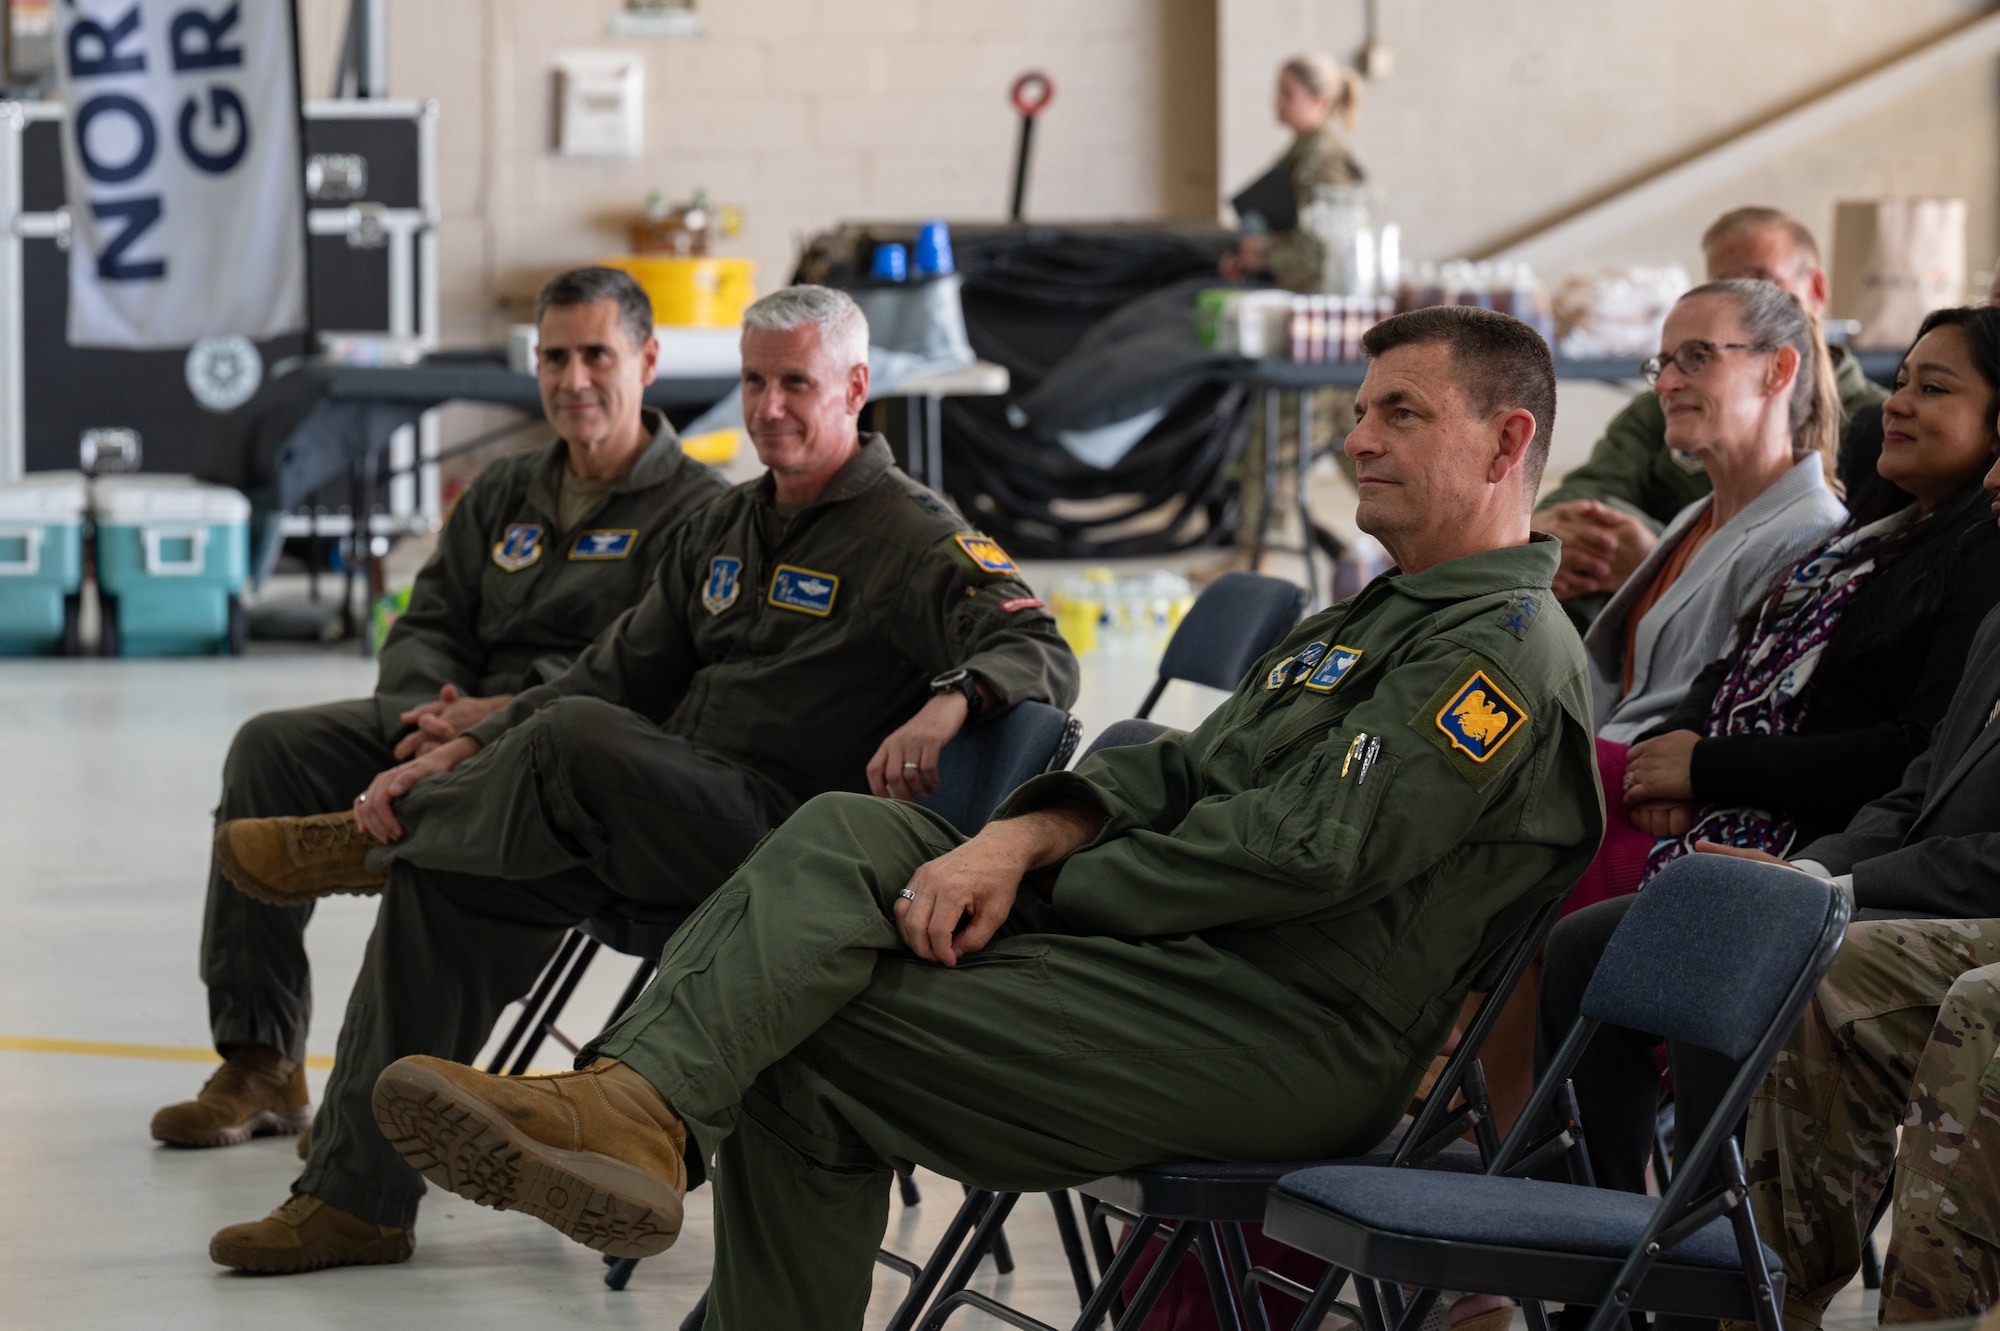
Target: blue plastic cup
{"points": [[892, 263], [934, 249]]}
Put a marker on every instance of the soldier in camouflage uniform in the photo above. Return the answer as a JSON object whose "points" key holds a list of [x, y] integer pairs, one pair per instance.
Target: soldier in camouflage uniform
{"points": [[1821, 1140], [1315, 98]]}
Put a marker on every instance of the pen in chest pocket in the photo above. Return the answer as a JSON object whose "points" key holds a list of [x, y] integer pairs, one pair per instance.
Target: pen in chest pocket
{"points": [[1352, 749], [1368, 759]]}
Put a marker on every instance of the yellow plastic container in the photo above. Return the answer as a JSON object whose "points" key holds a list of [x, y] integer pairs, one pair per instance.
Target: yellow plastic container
{"points": [[693, 292], [713, 449]]}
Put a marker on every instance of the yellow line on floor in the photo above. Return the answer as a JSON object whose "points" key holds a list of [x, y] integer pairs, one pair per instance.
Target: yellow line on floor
{"points": [[166, 1053]]}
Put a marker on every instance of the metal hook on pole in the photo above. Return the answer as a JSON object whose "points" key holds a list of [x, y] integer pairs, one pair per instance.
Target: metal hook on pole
{"points": [[1031, 95]]}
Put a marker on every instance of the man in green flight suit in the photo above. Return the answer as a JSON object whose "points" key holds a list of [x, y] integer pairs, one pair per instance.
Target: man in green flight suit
{"points": [[543, 551], [1244, 943], [830, 625], [1610, 511]]}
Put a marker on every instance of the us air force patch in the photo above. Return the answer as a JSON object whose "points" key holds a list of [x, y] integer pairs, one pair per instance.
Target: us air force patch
{"points": [[603, 544], [801, 589], [1288, 669], [1333, 669], [986, 553], [519, 547], [1472, 719], [725, 576]]}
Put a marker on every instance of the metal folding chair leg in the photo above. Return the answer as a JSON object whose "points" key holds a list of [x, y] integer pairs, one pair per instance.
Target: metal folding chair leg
{"points": [[537, 1000]]}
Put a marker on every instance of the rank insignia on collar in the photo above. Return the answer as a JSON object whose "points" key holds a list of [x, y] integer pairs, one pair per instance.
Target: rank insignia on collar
{"points": [[1333, 669], [725, 574], [1519, 617], [603, 544], [1478, 719], [1286, 670], [519, 547], [801, 589], [987, 554]]}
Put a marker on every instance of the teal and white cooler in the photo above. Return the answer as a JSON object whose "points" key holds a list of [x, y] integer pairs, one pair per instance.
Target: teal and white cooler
{"points": [[41, 563], [172, 557]]}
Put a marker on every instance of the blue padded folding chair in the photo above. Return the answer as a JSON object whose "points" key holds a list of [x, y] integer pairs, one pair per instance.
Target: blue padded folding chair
{"points": [[1716, 953], [1235, 620], [1202, 1207]]}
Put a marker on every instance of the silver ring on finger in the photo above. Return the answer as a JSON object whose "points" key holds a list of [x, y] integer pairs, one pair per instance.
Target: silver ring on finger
{"points": [[362, 798], [907, 895], [913, 767]]}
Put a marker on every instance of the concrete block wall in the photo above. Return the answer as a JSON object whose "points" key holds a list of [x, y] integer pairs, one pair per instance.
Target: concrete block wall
{"points": [[803, 111], [1500, 117]]}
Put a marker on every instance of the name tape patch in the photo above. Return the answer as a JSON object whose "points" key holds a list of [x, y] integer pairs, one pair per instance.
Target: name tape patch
{"points": [[520, 546], [803, 590], [725, 574], [1339, 660], [987, 554], [613, 544]]}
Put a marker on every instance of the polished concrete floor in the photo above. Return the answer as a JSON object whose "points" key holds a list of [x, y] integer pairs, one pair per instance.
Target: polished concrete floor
{"points": [[107, 783], [107, 778]]}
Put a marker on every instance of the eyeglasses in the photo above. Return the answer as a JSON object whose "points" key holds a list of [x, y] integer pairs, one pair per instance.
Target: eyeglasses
{"points": [[1693, 357]]}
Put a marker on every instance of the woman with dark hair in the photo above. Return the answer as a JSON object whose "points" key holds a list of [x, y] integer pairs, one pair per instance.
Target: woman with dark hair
{"points": [[1841, 673]]}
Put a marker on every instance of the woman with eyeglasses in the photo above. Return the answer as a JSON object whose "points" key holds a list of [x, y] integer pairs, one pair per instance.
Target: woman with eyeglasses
{"points": [[1833, 686], [1747, 388]]}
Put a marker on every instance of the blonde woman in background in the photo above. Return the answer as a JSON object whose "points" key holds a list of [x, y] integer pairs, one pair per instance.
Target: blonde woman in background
{"points": [[1316, 100]]}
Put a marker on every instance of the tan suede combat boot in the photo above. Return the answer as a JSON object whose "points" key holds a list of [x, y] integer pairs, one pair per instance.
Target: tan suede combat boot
{"points": [[307, 1234], [596, 1154], [290, 861], [255, 1093]]}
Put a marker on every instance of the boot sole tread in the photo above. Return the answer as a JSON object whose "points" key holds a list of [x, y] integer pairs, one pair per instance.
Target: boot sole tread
{"points": [[463, 1146]]}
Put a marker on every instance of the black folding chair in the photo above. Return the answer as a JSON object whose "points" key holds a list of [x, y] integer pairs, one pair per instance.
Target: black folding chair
{"points": [[1716, 953], [1235, 620], [1202, 1207]]}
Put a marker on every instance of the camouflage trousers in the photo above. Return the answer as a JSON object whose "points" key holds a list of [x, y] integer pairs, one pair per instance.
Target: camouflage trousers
{"points": [[1901, 1032]]}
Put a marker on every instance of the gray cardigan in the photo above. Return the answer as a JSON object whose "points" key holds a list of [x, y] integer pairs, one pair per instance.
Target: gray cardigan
{"points": [[1695, 622]]}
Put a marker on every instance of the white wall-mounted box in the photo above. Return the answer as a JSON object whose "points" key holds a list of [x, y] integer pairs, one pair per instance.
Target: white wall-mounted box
{"points": [[600, 103]]}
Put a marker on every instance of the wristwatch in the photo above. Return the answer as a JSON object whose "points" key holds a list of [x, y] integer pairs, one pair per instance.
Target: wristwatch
{"points": [[960, 681]]}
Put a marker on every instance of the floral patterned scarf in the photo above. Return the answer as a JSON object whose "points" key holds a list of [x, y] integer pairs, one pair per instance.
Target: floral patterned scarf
{"points": [[1765, 691]]}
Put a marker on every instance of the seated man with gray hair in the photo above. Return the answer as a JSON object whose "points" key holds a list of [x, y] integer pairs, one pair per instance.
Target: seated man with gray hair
{"points": [[828, 626]]}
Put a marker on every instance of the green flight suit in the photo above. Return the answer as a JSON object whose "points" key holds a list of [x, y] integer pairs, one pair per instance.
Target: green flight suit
{"points": [[484, 615], [765, 665], [1632, 469], [1255, 959]]}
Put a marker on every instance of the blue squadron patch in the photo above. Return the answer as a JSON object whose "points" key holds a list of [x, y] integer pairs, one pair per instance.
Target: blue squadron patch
{"points": [[1332, 670], [801, 589], [724, 582], [987, 554], [603, 544], [1479, 718], [519, 547], [1287, 670], [1519, 617]]}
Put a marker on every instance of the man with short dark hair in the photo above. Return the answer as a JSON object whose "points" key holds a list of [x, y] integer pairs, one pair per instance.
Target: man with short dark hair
{"points": [[1610, 511], [1245, 943], [543, 551], [830, 625]]}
